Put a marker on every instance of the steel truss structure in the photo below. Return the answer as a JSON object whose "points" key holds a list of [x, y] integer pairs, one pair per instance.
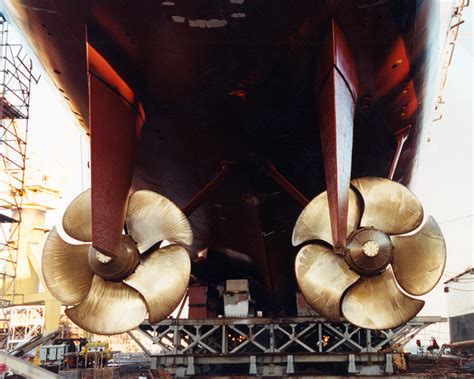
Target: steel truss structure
{"points": [[26, 322], [16, 78], [264, 343]]}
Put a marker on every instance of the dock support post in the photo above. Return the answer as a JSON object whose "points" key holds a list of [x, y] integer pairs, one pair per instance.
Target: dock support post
{"points": [[352, 365], [190, 369], [290, 367], [389, 364], [253, 365]]}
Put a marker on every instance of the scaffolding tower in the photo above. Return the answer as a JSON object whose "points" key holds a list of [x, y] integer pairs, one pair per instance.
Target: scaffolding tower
{"points": [[16, 78]]}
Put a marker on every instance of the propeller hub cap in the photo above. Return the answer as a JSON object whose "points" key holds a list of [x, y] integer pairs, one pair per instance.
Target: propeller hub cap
{"points": [[118, 268], [102, 258], [370, 248], [369, 251]]}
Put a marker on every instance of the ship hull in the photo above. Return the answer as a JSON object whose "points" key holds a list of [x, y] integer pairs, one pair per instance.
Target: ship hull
{"points": [[243, 92]]}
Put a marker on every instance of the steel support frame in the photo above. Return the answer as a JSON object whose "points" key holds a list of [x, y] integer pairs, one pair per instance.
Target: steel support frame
{"points": [[26, 322], [275, 341]]}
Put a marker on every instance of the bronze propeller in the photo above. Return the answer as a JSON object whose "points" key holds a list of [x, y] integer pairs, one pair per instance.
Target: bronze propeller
{"points": [[113, 295], [363, 284]]}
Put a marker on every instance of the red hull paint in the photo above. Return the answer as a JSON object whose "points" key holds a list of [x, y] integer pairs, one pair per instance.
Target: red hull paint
{"points": [[337, 96], [115, 124]]}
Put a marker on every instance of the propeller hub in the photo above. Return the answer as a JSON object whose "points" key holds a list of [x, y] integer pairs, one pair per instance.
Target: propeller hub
{"points": [[102, 258], [369, 251], [116, 268], [370, 248]]}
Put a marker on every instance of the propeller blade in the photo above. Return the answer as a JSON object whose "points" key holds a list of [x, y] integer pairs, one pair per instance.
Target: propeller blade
{"points": [[152, 218], [419, 259], [109, 308], [66, 269], [378, 303], [77, 219], [323, 276], [162, 279], [388, 206], [314, 222]]}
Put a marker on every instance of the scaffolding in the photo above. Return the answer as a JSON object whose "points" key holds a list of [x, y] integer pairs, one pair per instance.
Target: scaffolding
{"points": [[456, 21], [16, 78]]}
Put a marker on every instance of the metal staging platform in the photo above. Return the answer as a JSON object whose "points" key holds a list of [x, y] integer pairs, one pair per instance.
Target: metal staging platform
{"points": [[267, 346]]}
